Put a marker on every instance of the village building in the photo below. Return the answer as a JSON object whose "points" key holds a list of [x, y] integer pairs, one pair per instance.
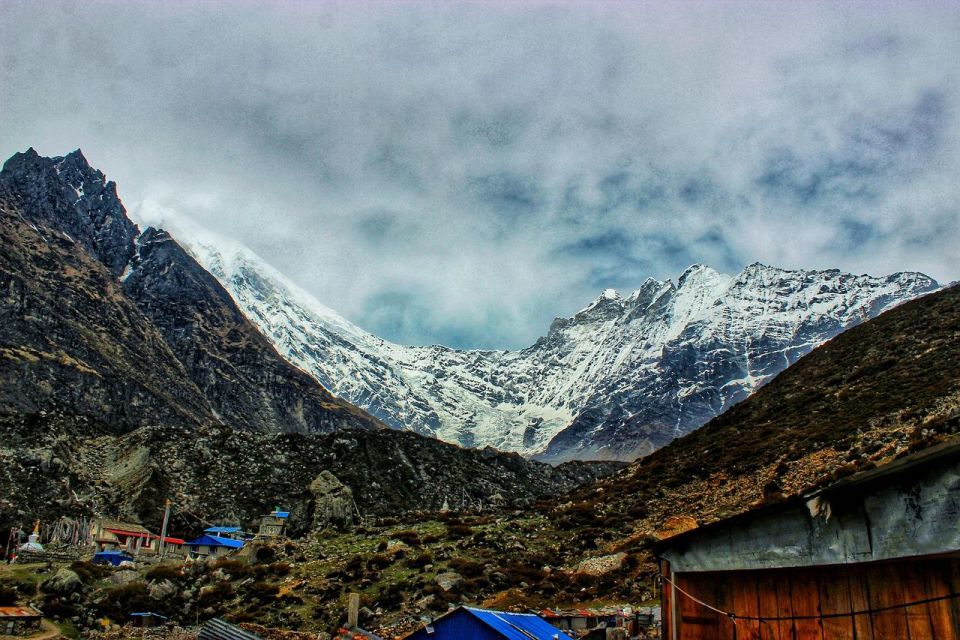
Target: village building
{"points": [[632, 620], [207, 546], [876, 555], [147, 619], [113, 535], [19, 621], [487, 624], [273, 525]]}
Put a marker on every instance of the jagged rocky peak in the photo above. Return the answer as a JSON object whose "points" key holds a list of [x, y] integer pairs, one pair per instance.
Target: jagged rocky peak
{"points": [[619, 378], [69, 195], [608, 305]]}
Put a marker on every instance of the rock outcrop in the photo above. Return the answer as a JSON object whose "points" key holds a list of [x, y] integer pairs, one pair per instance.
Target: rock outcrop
{"points": [[333, 504], [104, 321]]}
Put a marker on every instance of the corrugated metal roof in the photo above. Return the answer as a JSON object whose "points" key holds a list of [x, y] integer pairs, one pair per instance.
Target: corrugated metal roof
{"points": [[215, 541], [217, 629], [106, 523], [222, 530], [518, 626]]}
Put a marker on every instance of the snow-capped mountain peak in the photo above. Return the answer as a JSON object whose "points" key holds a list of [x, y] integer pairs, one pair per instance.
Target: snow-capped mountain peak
{"points": [[620, 378]]}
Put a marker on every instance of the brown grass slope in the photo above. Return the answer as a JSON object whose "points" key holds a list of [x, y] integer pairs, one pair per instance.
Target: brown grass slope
{"points": [[879, 390]]}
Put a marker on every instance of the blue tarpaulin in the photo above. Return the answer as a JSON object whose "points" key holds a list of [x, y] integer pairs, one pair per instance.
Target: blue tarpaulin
{"points": [[111, 557]]}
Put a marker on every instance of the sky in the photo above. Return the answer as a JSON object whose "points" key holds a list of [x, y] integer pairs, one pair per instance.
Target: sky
{"points": [[462, 173]]}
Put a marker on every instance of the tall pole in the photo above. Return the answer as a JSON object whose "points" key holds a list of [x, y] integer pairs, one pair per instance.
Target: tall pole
{"points": [[163, 530]]}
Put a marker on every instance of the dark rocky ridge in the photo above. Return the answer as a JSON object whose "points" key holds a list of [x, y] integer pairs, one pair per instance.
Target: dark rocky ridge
{"points": [[243, 380], [55, 464], [71, 340], [69, 195]]}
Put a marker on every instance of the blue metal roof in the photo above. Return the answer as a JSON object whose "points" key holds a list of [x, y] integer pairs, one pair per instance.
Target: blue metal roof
{"points": [[469, 623], [518, 626], [147, 614], [281, 514], [216, 541], [222, 530]]}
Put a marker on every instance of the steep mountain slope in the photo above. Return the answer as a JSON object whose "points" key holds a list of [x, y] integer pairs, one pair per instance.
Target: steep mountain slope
{"points": [[621, 378], [221, 367], [884, 388], [70, 339]]}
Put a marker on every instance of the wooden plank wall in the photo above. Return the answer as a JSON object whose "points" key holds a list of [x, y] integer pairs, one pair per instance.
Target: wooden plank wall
{"points": [[822, 591]]}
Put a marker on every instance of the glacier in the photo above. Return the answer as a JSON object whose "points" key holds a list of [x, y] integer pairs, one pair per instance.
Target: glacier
{"points": [[622, 377]]}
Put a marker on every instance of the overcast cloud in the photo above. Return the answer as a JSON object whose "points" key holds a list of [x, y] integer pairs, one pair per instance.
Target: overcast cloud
{"points": [[464, 173]]}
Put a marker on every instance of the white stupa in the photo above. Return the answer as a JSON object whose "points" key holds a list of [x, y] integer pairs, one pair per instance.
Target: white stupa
{"points": [[33, 540]]}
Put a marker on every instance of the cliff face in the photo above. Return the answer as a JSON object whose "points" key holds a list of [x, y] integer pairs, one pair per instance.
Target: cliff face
{"points": [[71, 340], [168, 323], [52, 465]]}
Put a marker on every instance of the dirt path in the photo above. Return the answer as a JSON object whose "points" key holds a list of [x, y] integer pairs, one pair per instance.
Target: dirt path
{"points": [[48, 631]]}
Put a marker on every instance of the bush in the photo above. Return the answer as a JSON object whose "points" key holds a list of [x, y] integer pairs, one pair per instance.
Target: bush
{"points": [[171, 572], [8, 595], [411, 538], [458, 531], [379, 562], [215, 594], [263, 591], [89, 572], [520, 572], [467, 568], [265, 555], [124, 599], [420, 561], [234, 568]]}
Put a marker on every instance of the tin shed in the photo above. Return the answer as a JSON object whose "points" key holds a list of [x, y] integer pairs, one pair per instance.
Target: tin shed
{"points": [[876, 555]]}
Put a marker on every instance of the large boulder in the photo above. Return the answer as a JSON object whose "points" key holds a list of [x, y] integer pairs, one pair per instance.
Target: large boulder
{"points": [[125, 576], [162, 589], [601, 565], [63, 582], [449, 580], [332, 502]]}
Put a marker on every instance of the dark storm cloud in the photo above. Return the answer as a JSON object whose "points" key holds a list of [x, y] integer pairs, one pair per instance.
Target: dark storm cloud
{"points": [[463, 172]]}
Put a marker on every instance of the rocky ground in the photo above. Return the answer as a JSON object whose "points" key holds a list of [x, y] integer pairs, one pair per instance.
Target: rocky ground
{"points": [[404, 571]]}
